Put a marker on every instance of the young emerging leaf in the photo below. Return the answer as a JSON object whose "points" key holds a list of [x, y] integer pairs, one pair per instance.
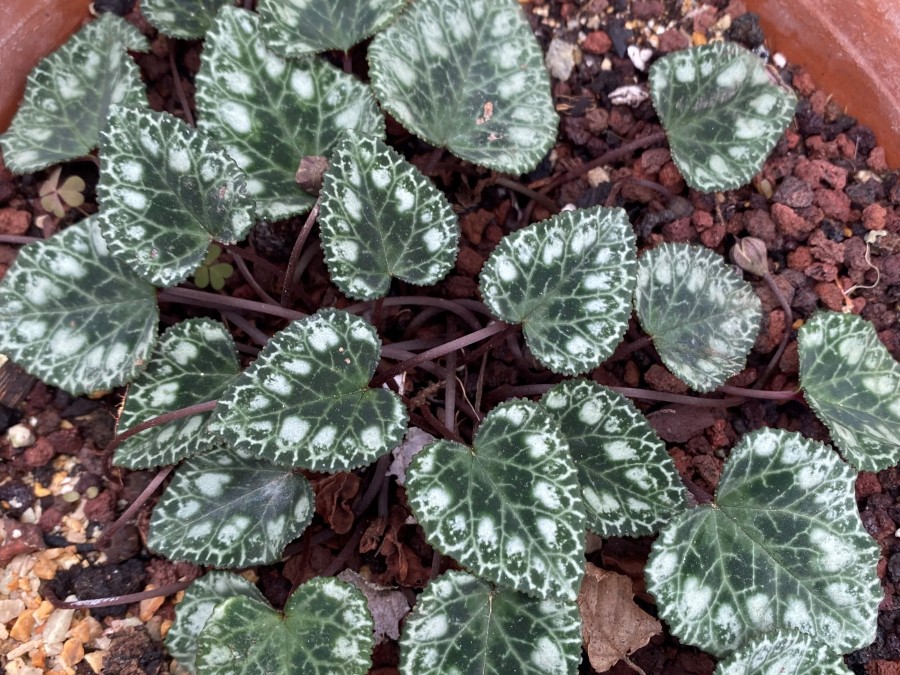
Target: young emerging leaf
{"points": [[567, 280], [167, 192], [628, 481], [852, 383], [268, 112], [226, 510], [73, 316], [381, 218], [194, 361], [325, 629], [788, 653], [55, 197], [508, 508], [306, 402], [191, 614], [703, 317], [782, 548], [301, 27], [69, 93], [721, 111], [180, 19], [468, 75], [461, 620]]}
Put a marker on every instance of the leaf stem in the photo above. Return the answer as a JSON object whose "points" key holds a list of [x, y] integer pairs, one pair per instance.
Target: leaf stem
{"points": [[17, 239], [437, 352], [179, 89], [165, 418], [295, 252], [136, 505], [423, 301], [786, 395], [788, 322], [534, 195], [250, 279], [168, 589], [187, 296]]}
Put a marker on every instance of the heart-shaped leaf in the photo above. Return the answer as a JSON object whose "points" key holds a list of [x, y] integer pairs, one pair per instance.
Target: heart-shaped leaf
{"points": [[167, 192], [628, 481], [300, 27], [703, 317], [721, 111], [69, 93], [306, 402], [567, 280], [853, 383], [508, 508], [269, 113], [194, 361], [180, 19], [75, 317], [460, 621], [325, 629], [469, 76], [191, 614], [381, 218], [782, 548], [786, 653], [227, 510]]}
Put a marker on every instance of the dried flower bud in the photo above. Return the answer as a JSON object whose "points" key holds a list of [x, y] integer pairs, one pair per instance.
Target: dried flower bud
{"points": [[749, 254], [310, 173]]}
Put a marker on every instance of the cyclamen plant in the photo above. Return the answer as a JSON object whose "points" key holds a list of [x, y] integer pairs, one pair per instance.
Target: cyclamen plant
{"points": [[774, 573]]}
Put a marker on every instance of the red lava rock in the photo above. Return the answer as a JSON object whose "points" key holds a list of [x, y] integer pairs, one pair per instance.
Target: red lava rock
{"points": [[472, 224], [790, 223], [652, 160], [760, 225], [493, 234], [621, 120], [867, 484], [670, 178], [876, 160], [803, 83], [661, 379], [673, 40], [678, 230], [819, 171], [704, 19], [102, 508], [597, 42], [818, 100], [14, 222], [709, 468], [39, 454], [19, 538], [834, 204], [793, 192], [50, 518], [880, 667], [790, 359], [874, 217], [771, 337], [821, 272], [800, 258], [824, 249], [644, 10], [718, 434], [469, 261], [830, 295], [65, 441], [597, 120]]}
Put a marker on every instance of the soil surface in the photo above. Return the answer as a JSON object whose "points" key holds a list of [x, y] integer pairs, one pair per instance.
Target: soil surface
{"points": [[826, 205]]}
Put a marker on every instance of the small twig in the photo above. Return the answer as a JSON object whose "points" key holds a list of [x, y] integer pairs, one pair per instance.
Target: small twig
{"points": [[450, 393], [255, 258], [18, 239], [168, 589], [295, 253], [179, 89], [251, 280], [248, 327]]}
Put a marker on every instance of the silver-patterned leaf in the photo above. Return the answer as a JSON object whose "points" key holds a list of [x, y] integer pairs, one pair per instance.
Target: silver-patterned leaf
{"points": [[306, 402], [191, 614], [167, 191], [269, 113], [227, 510], [852, 383], [468, 75], [782, 548], [69, 93], [786, 653], [460, 621], [325, 629], [73, 316], [193, 362], [568, 281], [721, 111], [702, 315], [509, 507], [184, 19], [628, 481], [381, 218], [301, 27]]}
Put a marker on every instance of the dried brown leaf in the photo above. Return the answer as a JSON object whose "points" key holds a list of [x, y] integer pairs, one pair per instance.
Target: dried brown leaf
{"points": [[387, 605], [613, 627]]}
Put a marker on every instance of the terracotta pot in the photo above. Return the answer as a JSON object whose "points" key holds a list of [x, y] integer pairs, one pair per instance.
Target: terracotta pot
{"points": [[31, 29], [851, 48]]}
